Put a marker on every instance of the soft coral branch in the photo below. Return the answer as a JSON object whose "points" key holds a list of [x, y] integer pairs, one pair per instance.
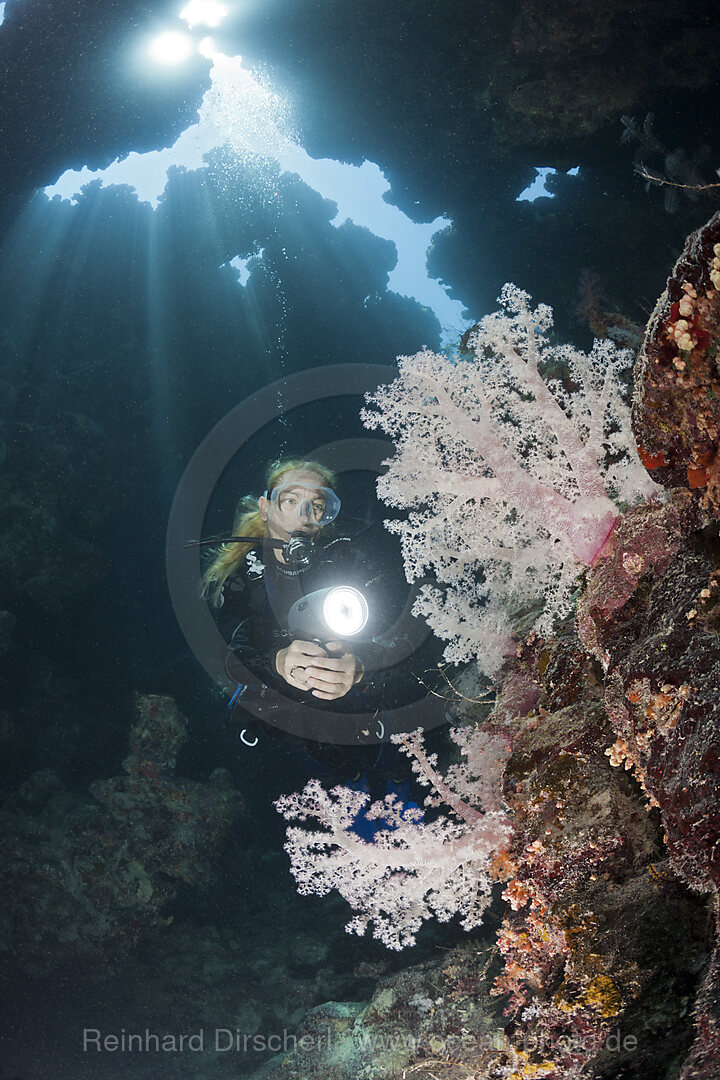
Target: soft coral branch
{"points": [[512, 480], [413, 869]]}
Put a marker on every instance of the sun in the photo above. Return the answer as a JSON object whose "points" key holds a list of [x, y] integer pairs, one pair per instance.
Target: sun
{"points": [[203, 13], [171, 47]]}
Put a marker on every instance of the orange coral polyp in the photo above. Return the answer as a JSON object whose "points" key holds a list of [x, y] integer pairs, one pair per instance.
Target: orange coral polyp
{"points": [[652, 461]]}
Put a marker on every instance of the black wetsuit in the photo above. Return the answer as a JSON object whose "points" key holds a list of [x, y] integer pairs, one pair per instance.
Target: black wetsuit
{"points": [[253, 619], [255, 602]]}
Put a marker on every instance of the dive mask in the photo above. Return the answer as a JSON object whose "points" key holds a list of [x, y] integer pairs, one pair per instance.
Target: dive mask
{"points": [[298, 504]]}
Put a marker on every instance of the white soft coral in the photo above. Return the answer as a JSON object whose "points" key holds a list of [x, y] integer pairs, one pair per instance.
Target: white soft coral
{"points": [[414, 869], [509, 478]]}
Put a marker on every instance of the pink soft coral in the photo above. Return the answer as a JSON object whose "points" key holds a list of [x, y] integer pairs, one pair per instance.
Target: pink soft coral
{"points": [[510, 478], [413, 869]]}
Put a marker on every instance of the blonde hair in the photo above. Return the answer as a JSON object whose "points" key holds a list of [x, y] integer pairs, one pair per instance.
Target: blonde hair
{"points": [[227, 558]]}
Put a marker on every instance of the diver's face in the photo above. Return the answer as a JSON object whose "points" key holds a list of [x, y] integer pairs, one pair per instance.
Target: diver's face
{"points": [[298, 507]]}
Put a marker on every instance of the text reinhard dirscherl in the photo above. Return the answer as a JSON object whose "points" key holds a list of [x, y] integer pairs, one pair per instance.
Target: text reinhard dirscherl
{"points": [[224, 1040]]}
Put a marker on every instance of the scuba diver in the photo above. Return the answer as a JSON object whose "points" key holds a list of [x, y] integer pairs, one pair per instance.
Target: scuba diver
{"points": [[286, 549], [255, 583], [270, 583]]}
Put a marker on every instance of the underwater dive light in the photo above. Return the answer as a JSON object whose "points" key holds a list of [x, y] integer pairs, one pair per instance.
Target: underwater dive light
{"points": [[340, 611], [345, 611]]}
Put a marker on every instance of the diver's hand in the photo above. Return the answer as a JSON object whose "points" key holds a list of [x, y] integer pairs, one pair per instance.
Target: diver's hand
{"points": [[307, 666], [292, 663], [331, 677]]}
